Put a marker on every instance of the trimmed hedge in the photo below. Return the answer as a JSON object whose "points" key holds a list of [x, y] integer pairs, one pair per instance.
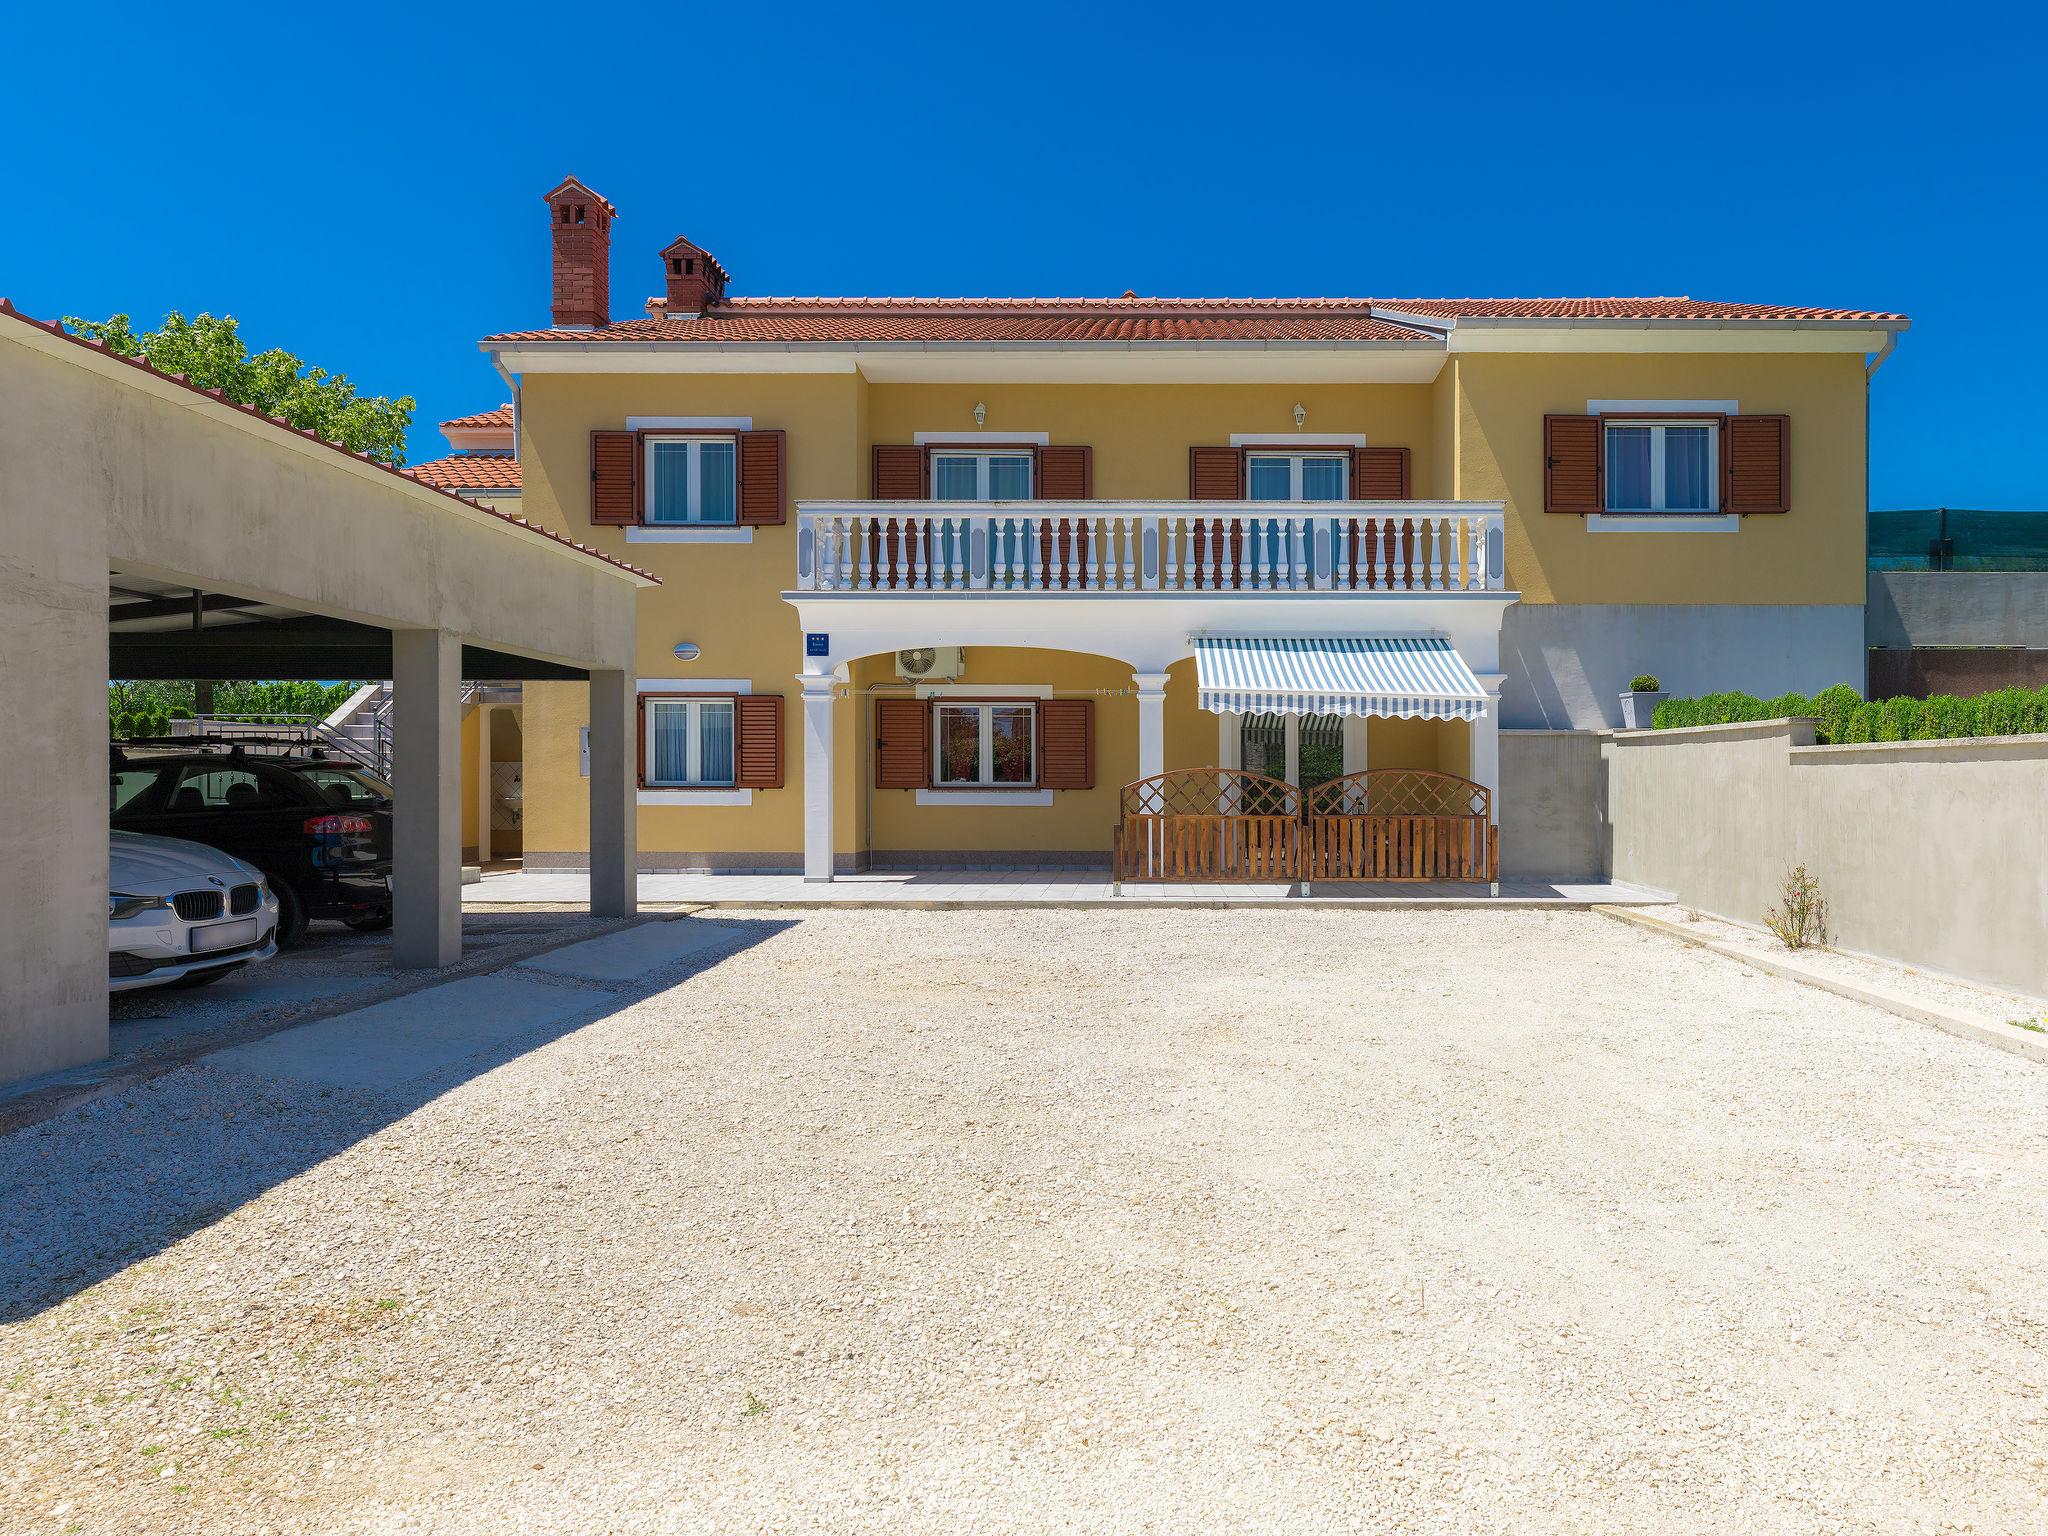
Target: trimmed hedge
{"points": [[1843, 717]]}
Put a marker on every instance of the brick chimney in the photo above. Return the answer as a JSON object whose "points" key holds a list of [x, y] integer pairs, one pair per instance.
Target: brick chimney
{"points": [[695, 279], [582, 226]]}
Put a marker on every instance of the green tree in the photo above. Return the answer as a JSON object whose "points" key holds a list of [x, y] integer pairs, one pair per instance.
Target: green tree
{"points": [[212, 354]]}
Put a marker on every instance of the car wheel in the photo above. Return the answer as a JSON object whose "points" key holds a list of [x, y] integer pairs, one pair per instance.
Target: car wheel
{"points": [[291, 916], [203, 978], [374, 922]]}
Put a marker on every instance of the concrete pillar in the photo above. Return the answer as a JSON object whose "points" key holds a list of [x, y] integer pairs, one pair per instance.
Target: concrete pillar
{"points": [[820, 782], [1151, 722], [614, 796], [1486, 739], [426, 772]]}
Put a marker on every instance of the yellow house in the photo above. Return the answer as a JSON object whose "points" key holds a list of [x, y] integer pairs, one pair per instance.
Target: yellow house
{"points": [[941, 576]]}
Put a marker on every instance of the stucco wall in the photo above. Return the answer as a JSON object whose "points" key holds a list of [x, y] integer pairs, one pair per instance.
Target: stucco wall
{"points": [[1553, 812], [53, 681], [1812, 554], [1567, 663], [1933, 853], [1913, 608]]}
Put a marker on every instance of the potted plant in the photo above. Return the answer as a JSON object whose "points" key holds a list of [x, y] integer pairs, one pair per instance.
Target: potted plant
{"points": [[1640, 702]]}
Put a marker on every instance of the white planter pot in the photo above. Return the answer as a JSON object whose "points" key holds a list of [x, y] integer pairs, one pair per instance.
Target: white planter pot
{"points": [[1637, 708]]}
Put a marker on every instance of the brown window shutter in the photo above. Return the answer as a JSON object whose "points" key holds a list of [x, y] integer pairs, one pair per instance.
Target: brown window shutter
{"points": [[899, 473], [758, 752], [1379, 474], [1756, 464], [1571, 464], [1066, 472], [1066, 744], [614, 478], [1215, 474], [903, 754], [764, 458]]}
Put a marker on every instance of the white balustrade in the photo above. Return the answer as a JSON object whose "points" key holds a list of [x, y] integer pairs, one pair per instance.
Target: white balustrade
{"points": [[1109, 547]]}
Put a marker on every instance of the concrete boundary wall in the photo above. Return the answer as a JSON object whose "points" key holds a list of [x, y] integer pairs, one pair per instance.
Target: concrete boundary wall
{"points": [[1930, 853]]}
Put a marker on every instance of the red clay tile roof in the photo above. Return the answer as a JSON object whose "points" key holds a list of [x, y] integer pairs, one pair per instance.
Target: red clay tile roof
{"points": [[1678, 308], [830, 320], [501, 417], [142, 365], [469, 472], [999, 320]]}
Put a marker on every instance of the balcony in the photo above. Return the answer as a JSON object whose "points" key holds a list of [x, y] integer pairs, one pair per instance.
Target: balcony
{"points": [[1220, 548]]}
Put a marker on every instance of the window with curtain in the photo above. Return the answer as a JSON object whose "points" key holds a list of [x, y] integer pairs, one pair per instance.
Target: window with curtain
{"points": [[977, 476], [688, 742], [985, 745], [1290, 477], [692, 480], [1296, 476], [1662, 466]]}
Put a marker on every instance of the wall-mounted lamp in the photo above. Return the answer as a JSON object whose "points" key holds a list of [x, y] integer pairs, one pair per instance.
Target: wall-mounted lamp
{"points": [[685, 651], [980, 413], [1300, 415]]}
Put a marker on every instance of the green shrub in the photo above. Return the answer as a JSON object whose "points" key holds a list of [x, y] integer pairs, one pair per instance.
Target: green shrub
{"points": [[124, 724], [1644, 683], [1899, 719], [2035, 713], [1843, 717], [1832, 707], [181, 713], [1941, 718]]}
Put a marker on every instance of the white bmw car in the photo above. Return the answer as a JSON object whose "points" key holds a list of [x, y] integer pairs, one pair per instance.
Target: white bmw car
{"points": [[182, 913]]}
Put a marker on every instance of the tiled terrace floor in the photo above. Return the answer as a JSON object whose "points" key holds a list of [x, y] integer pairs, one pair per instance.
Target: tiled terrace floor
{"points": [[1030, 887]]}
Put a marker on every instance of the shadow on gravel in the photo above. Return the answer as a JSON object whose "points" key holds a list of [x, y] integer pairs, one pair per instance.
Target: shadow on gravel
{"points": [[127, 1173]]}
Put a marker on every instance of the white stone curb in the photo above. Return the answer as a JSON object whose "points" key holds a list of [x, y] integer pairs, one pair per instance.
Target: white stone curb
{"points": [[2004, 1037]]}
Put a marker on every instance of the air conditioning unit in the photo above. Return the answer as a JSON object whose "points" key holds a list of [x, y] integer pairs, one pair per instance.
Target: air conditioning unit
{"points": [[928, 662]]}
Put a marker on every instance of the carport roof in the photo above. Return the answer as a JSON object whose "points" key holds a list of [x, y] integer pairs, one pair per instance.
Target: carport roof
{"points": [[55, 328]]}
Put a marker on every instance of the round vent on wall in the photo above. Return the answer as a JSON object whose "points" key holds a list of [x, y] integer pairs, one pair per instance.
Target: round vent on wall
{"points": [[918, 662]]}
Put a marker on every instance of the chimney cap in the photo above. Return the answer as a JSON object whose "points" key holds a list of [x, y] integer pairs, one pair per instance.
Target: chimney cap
{"points": [[681, 246], [572, 186]]}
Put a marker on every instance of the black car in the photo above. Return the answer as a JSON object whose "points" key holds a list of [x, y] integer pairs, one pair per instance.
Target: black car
{"points": [[320, 830]]}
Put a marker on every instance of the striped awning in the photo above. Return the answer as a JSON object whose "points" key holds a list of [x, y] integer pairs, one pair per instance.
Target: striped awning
{"points": [[1416, 678]]}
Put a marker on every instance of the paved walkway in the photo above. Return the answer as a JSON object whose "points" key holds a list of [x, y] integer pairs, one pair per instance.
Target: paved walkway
{"points": [[1032, 887]]}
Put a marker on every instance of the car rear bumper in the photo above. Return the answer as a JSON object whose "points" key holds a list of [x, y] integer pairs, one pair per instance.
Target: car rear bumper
{"points": [[354, 894]]}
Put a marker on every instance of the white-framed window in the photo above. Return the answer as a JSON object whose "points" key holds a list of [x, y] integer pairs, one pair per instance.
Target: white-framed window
{"points": [[1312, 476], [984, 745], [965, 474], [692, 481], [1663, 466], [686, 742]]}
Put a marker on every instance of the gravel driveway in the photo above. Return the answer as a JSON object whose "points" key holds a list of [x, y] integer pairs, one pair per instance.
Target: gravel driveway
{"points": [[1064, 1221]]}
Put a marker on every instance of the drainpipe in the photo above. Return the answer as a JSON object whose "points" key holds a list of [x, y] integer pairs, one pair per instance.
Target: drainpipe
{"points": [[511, 383], [1891, 340]]}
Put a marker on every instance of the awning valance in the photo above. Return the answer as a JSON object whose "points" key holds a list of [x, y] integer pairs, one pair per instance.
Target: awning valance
{"points": [[1416, 678]]}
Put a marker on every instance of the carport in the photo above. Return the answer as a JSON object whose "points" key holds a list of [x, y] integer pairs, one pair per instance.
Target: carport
{"points": [[264, 552]]}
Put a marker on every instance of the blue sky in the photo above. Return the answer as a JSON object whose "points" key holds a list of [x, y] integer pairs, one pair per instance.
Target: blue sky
{"points": [[363, 185]]}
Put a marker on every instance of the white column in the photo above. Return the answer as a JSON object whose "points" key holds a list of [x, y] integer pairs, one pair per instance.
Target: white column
{"points": [[1486, 739], [1355, 735], [1151, 722], [483, 783], [819, 779], [426, 813], [614, 796]]}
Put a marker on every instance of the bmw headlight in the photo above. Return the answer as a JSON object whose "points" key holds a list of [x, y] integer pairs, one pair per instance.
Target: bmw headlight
{"points": [[121, 905]]}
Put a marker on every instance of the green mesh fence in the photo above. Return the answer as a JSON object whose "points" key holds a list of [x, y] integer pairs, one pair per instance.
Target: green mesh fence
{"points": [[1956, 539]]}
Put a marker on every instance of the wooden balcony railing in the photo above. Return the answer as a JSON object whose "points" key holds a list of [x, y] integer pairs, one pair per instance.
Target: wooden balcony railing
{"points": [[1153, 546]]}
